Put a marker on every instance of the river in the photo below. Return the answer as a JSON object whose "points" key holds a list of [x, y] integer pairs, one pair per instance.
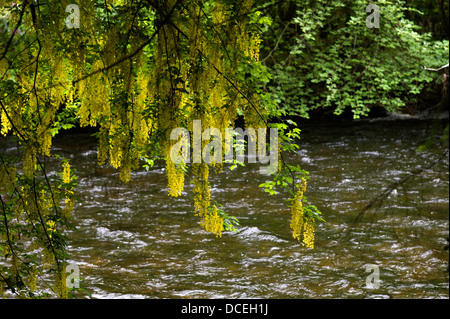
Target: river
{"points": [[133, 241]]}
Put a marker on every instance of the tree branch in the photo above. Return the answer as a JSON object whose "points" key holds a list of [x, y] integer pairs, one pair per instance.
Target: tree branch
{"points": [[135, 52], [377, 200], [437, 70], [8, 44]]}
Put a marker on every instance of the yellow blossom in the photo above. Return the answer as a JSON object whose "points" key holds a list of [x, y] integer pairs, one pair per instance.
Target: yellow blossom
{"points": [[69, 203], [301, 224], [51, 227], [213, 222], [308, 233], [66, 173]]}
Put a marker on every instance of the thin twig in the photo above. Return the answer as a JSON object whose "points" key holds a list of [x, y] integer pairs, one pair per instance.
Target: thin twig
{"points": [[19, 22], [135, 52], [437, 70], [276, 44], [377, 200]]}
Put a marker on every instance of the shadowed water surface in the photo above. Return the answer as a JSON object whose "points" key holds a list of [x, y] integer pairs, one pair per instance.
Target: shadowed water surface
{"points": [[133, 241]]}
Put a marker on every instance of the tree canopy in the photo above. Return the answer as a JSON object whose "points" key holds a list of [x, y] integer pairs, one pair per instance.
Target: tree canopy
{"points": [[135, 70], [323, 56]]}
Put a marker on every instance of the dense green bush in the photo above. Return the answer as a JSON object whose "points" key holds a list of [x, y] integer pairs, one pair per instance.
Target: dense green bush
{"points": [[322, 55]]}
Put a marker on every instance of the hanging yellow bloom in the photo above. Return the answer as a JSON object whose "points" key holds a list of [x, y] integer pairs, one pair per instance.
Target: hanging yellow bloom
{"points": [[175, 177], [297, 210], [308, 233], [29, 161], [51, 227], [61, 285], [202, 189], [213, 222], [66, 172], [297, 219], [175, 172], [46, 142], [301, 224], [5, 123], [69, 202], [33, 278]]}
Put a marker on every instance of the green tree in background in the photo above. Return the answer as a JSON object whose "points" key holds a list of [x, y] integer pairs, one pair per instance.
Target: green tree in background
{"points": [[323, 56], [432, 16]]}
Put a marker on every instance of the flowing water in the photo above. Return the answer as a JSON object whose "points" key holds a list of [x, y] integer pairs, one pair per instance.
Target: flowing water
{"points": [[133, 241]]}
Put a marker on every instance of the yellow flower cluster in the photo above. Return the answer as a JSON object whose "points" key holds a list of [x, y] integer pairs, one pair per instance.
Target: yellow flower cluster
{"points": [[202, 190], [209, 215], [96, 102], [66, 172], [176, 178], [51, 227], [213, 222], [5, 123], [249, 43], [29, 161], [2, 289], [308, 233], [301, 224], [45, 202], [61, 286], [46, 142], [297, 210], [7, 178], [31, 282], [116, 143], [69, 202]]}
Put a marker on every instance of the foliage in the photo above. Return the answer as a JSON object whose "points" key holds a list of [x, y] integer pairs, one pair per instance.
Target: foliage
{"points": [[135, 72], [432, 16], [322, 55], [35, 209]]}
